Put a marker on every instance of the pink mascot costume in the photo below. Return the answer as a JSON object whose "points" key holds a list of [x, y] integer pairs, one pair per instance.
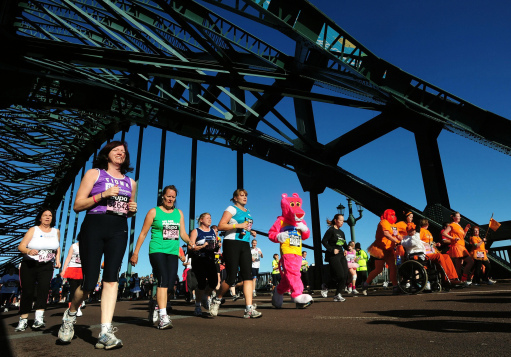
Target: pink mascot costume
{"points": [[289, 230]]}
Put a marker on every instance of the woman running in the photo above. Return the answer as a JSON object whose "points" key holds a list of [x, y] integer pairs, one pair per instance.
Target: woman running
{"points": [[383, 249], [167, 226], [455, 236], [72, 271], [203, 243], [334, 242], [237, 224], [106, 193], [41, 251]]}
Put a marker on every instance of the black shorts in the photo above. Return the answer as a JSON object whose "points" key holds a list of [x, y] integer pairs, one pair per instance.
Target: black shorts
{"points": [[164, 268], [237, 255], [102, 234], [275, 279], [255, 273], [205, 272]]}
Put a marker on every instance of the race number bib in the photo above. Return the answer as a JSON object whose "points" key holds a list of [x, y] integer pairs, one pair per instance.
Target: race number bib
{"points": [[46, 255], [170, 232], [294, 239], [117, 205], [76, 259], [480, 255], [210, 241]]}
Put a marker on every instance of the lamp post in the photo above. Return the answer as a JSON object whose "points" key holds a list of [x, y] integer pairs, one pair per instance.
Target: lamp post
{"points": [[351, 221]]}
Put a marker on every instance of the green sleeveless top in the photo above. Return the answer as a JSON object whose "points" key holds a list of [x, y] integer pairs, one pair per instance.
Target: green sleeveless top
{"points": [[165, 232]]}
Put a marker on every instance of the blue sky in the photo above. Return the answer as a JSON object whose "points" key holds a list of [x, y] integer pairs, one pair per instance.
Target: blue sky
{"points": [[459, 46]]}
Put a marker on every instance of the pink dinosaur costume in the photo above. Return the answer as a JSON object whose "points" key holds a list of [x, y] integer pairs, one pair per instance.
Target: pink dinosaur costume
{"points": [[289, 230]]}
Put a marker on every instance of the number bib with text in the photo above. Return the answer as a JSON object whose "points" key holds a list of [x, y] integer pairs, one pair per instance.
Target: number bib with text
{"points": [[170, 231], [117, 205]]}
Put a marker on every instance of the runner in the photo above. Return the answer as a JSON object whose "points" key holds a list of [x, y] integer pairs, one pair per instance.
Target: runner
{"points": [[72, 271], [257, 254], [275, 272], [106, 193], [237, 222], [10, 284], [41, 251], [334, 242], [455, 236], [203, 244], [304, 271], [167, 227]]}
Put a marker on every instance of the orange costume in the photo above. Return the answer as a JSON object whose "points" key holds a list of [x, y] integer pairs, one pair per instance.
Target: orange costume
{"points": [[433, 254], [457, 248], [401, 229], [383, 248], [478, 253]]}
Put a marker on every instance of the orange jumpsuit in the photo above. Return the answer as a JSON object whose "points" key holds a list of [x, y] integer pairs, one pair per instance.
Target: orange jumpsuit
{"points": [[457, 248], [387, 246], [443, 259], [401, 229]]}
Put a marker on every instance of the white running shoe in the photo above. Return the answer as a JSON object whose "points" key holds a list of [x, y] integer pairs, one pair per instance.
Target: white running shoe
{"points": [[108, 340], [339, 298], [324, 290], [79, 312], [428, 286], [22, 325], [38, 323], [355, 291], [214, 307], [67, 330], [350, 289], [83, 304], [165, 323], [252, 313]]}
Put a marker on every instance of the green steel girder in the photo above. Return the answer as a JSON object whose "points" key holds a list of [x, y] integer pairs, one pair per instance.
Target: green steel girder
{"points": [[145, 61]]}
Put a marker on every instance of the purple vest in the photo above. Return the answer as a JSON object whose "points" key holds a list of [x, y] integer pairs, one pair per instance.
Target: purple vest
{"points": [[116, 205]]}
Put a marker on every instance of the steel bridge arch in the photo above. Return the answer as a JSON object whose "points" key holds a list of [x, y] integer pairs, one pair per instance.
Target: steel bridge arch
{"points": [[145, 61]]}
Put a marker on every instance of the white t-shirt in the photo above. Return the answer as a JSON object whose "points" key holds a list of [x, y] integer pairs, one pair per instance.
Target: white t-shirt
{"points": [[46, 243], [75, 261], [256, 255]]}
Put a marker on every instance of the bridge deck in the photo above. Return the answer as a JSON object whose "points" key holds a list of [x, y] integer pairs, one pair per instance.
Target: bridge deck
{"points": [[474, 320]]}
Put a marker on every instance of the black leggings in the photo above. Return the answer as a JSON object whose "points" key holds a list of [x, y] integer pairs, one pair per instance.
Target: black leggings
{"points": [[164, 268], [32, 271], [102, 234], [204, 269], [477, 270], [237, 254], [338, 271]]}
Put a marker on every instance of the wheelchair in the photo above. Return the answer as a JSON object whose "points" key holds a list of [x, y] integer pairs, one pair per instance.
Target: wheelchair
{"points": [[416, 271]]}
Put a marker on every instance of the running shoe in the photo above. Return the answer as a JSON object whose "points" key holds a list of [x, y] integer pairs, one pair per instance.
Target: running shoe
{"points": [[339, 298], [38, 323], [350, 289], [108, 340], [83, 304], [67, 330], [79, 312], [198, 311], [236, 297], [252, 313], [355, 291], [215, 305], [254, 294], [365, 286], [491, 280], [324, 290], [165, 323], [428, 286], [22, 325], [153, 313], [6, 309]]}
